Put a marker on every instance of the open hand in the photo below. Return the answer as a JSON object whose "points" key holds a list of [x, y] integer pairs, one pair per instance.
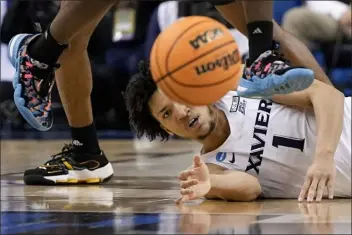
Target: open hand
{"points": [[194, 182], [320, 174]]}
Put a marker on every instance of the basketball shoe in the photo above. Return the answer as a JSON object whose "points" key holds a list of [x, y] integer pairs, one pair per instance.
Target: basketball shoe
{"points": [[71, 167], [33, 82], [270, 75]]}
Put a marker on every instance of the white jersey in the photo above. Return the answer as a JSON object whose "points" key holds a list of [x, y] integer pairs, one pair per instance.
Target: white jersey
{"points": [[276, 144]]}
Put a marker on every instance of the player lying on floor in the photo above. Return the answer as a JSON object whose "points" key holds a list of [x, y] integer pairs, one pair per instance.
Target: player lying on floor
{"points": [[296, 145]]}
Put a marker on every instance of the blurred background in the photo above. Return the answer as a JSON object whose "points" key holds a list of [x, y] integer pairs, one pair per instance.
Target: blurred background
{"points": [[125, 36]]}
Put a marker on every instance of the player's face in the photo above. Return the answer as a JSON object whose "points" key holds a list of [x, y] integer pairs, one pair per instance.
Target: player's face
{"points": [[195, 122]]}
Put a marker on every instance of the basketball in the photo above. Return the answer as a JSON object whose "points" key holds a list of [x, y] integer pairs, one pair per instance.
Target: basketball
{"points": [[196, 61]]}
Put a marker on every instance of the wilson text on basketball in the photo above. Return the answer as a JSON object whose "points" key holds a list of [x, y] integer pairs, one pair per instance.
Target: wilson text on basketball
{"points": [[223, 62]]}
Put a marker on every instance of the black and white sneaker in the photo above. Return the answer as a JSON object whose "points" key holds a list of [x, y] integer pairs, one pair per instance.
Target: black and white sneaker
{"points": [[70, 167]]}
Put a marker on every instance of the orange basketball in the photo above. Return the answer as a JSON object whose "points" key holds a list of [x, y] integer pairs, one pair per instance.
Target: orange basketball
{"points": [[196, 61]]}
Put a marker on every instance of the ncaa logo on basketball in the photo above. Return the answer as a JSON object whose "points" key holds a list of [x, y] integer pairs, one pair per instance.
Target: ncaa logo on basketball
{"points": [[195, 61], [206, 37], [223, 62]]}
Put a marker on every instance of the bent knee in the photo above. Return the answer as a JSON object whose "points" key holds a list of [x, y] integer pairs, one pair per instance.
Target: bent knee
{"points": [[80, 43]]}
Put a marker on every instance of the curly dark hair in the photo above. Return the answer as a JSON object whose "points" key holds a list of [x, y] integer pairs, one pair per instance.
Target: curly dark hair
{"points": [[137, 95]]}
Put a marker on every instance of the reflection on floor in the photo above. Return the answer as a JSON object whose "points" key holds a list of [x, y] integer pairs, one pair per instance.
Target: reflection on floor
{"points": [[140, 199]]}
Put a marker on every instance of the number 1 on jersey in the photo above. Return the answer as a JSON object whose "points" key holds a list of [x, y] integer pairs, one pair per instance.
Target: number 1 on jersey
{"points": [[288, 142]]}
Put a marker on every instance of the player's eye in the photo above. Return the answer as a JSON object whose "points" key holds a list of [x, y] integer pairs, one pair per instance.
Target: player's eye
{"points": [[166, 114]]}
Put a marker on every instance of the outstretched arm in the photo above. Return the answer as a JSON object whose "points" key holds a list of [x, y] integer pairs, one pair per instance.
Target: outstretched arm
{"points": [[328, 106], [212, 182], [234, 186], [293, 49]]}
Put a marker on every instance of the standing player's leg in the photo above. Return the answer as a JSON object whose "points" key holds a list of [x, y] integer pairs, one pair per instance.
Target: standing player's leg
{"points": [[293, 48], [81, 161], [259, 16], [35, 58], [256, 20]]}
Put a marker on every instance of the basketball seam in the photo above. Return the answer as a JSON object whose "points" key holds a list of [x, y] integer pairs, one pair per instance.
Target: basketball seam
{"points": [[197, 85], [193, 60], [173, 45], [156, 58], [191, 103], [175, 42], [156, 50]]}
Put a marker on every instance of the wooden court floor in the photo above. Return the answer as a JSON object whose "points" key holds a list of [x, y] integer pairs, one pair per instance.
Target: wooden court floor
{"points": [[140, 199]]}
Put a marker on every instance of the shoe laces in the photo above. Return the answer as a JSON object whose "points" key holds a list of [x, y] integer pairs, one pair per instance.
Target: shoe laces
{"points": [[65, 153], [267, 63], [38, 80], [44, 75]]}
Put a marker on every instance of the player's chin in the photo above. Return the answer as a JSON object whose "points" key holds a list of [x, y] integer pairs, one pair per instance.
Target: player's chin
{"points": [[203, 131]]}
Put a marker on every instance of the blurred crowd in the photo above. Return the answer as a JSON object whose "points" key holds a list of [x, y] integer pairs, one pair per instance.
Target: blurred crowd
{"points": [[126, 35]]}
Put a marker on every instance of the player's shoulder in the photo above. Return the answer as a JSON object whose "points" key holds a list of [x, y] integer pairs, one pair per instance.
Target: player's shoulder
{"points": [[231, 102], [228, 98]]}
